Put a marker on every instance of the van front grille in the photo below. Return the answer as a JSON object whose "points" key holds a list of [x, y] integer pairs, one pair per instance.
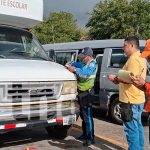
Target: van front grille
{"points": [[24, 92]]}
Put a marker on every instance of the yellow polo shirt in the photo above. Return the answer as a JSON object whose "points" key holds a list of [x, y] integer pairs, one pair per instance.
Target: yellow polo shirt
{"points": [[128, 93]]}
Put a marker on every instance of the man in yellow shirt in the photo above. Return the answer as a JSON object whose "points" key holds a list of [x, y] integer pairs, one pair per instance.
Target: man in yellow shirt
{"points": [[132, 99]]}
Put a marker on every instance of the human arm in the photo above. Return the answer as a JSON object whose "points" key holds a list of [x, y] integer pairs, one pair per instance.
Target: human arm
{"points": [[86, 71], [115, 79], [142, 84], [72, 66], [139, 81], [77, 64]]}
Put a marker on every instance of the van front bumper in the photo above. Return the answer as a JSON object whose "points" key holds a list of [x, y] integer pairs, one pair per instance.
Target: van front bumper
{"points": [[42, 118]]}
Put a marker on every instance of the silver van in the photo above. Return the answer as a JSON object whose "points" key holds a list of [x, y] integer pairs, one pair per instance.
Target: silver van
{"points": [[110, 58]]}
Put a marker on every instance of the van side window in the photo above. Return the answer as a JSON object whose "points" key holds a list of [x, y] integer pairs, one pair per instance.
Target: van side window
{"points": [[118, 58]]}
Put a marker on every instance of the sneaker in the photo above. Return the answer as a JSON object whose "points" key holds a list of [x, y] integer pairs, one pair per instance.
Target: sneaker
{"points": [[88, 142], [82, 137]]}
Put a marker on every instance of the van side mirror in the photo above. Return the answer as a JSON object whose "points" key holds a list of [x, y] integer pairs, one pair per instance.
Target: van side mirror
{"points": [[51, 54]]}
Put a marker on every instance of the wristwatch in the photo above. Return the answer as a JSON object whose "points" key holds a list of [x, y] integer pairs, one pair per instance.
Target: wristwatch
{"points": [[116, 78]]}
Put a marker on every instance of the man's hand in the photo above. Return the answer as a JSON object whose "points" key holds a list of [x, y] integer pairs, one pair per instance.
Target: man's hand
{"points": [[68, 64], [72, 69], [112, 78], [138, 81]]}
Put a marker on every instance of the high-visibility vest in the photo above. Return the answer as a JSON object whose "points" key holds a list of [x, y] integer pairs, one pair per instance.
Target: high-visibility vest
{"points": [[86, 82]]}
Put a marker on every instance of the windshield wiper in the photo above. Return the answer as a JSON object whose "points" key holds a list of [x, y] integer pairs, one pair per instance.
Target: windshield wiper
{"points": [[24, 53], [19, 52]]}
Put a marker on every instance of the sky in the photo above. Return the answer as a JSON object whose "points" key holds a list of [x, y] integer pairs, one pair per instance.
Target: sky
{"points": [[79, 8]]}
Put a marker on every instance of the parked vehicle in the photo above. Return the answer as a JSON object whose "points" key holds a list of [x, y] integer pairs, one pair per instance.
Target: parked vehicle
{"points": [[110, 58], [34, 91]]}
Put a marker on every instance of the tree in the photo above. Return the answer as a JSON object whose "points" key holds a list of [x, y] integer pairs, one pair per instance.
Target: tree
{"points": [[120, 18], [84, 35], [57, 27]]}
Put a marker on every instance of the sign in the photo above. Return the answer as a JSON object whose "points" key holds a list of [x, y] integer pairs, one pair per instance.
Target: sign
{"points": [[22, 13]]}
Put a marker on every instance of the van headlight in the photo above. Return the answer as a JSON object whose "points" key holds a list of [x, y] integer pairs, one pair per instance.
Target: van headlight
{"points": [[69, 87]]}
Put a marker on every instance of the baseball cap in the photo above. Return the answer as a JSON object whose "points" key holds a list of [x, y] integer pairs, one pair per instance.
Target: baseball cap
{"points": [[87, 51], [146, 51]]}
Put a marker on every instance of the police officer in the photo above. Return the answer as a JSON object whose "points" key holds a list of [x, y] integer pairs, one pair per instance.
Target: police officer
{"points": [[85, 69]]}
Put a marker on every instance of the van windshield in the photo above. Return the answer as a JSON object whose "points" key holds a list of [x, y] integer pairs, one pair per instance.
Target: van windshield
{"points": [[20, 44]]}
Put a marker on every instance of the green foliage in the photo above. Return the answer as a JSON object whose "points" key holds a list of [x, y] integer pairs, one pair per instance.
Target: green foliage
{"points": [[57, 27], [120, 18]]}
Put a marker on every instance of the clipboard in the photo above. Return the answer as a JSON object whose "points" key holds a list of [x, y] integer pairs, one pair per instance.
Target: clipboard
{"points": [[125, 76]]}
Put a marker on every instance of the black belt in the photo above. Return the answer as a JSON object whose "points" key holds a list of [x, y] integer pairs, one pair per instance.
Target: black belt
{"points": [[88, 91]]}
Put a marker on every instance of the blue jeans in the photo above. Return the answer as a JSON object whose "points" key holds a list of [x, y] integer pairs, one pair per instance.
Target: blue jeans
{"points": [[134, 129]]}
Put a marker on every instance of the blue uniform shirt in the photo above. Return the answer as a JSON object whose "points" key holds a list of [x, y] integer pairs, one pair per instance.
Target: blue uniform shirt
{"points": [[84, 71]]}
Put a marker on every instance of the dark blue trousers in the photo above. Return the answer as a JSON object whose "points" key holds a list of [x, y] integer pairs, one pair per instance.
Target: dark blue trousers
{"points": [[86, 115], [87, 122]]}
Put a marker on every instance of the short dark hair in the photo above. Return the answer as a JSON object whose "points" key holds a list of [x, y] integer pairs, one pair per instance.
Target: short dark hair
{"points": [[133, 40]]}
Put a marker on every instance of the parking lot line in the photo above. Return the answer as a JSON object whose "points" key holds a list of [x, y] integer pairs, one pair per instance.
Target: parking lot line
{"points": [[123, 145]]}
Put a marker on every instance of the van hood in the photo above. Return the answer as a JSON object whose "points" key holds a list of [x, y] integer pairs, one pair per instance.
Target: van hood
{"points": [[33, 70]]}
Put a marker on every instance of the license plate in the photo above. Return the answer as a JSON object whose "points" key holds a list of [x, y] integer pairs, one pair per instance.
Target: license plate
{"points": [[69, 119]]}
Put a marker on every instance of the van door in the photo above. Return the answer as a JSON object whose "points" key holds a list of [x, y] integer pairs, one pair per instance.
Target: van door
{"points": [[98, 59], [113, 60], [64, 56]]}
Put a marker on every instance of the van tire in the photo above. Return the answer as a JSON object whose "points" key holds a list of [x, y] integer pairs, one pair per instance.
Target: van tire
{"points": [[58, 132], [114, 111]]}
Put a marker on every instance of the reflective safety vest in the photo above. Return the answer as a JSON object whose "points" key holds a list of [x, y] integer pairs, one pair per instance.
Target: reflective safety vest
{"points": [[86, 82]]}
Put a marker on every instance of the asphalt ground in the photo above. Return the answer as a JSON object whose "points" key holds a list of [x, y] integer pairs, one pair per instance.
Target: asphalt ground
{"points": [[108, 136], [40, 140]]}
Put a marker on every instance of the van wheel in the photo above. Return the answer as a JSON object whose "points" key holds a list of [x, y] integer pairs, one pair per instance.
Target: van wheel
{"points": [[114, 111], [58, 132]]}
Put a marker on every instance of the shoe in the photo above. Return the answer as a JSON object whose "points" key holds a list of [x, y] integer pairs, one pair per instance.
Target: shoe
{"points": [[82, 137], [88, 142]]}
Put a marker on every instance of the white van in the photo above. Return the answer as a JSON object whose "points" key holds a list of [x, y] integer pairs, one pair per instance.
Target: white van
{"points": [[34, 91]]}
